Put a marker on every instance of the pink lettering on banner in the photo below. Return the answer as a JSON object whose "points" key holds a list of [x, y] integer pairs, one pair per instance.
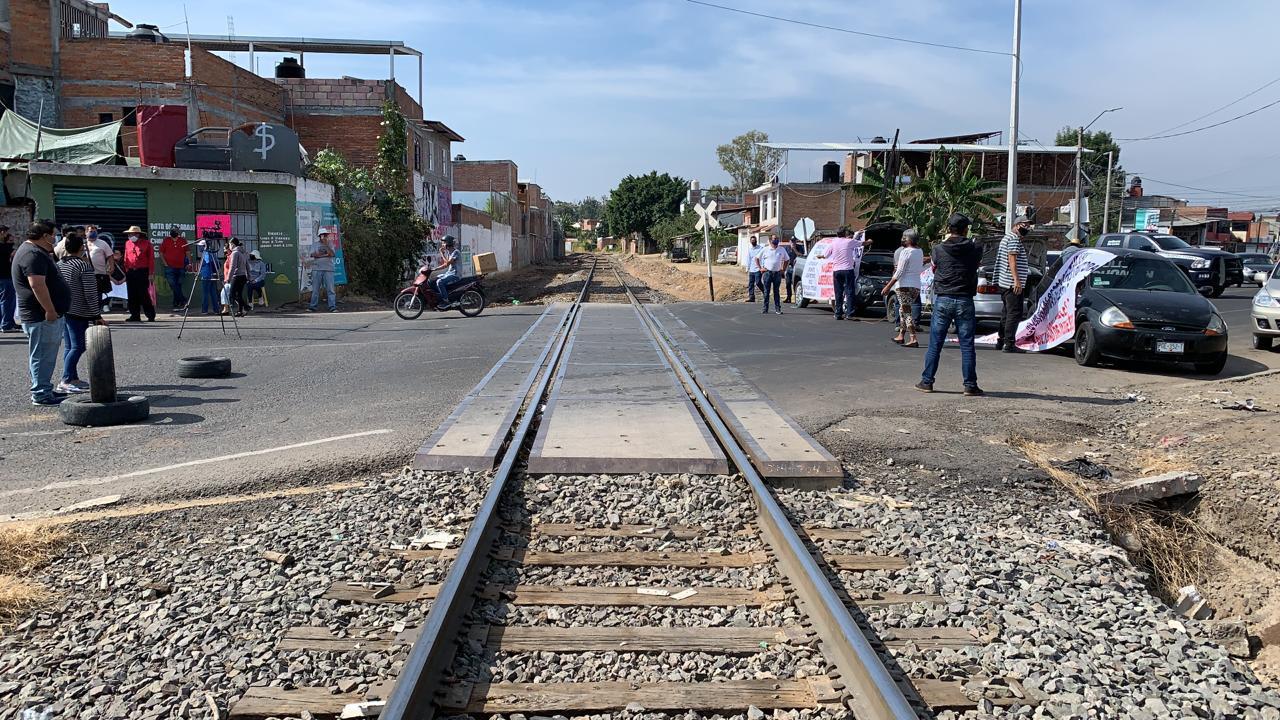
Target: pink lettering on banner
{"points": [[1053, 322]]}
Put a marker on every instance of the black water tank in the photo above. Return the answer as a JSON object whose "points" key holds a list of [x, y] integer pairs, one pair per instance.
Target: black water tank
{"points": [[290, 68], [831, 172], [147, 33]]}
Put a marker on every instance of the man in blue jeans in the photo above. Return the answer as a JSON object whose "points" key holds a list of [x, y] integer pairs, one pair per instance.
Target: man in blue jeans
{"points": [[449, 271], [955, 280], [43, 300], [322, 267]]}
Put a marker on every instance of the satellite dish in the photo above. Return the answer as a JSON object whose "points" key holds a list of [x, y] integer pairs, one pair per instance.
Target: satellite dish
{"points": [[804, 229]]}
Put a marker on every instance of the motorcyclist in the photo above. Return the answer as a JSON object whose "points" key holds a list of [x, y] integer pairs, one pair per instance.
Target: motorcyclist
{"points": [[449, 271]]}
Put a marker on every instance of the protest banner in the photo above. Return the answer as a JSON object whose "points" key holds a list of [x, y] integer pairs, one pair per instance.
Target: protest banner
{"points": [[1054, 320]]}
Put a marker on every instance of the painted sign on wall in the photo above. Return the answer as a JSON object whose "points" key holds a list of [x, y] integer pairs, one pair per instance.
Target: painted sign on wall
{"points": [[314, 218]]}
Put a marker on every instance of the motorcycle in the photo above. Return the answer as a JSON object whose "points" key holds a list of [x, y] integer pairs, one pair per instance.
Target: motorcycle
{"points": [[467, 293]]}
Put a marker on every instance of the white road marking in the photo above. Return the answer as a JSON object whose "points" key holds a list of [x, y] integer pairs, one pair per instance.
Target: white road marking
{"points": [[191, 463]]}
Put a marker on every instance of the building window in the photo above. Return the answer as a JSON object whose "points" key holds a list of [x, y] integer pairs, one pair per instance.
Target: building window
{"points": [[431, 156], [417, 156], [129, 115], [105, 118]]}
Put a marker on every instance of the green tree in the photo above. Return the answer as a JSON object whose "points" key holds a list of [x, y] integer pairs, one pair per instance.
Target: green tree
{"points": [[1094, 165], [383, 235], [948, 185], [640, 202], [666, 231], [746, 161]]}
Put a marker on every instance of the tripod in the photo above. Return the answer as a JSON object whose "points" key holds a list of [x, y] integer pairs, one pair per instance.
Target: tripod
{"points": [[217, 278]]}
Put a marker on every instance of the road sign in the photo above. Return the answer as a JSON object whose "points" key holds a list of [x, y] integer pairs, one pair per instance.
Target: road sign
{"points": [[804, 229], [705, 217]]}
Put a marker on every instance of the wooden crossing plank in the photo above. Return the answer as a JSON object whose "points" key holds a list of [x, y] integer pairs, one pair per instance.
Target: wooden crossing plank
{"points": [[259, 702], [322, 638], [640, 639], [823, 533], [607, 696], [930, 637], [877, 599]]}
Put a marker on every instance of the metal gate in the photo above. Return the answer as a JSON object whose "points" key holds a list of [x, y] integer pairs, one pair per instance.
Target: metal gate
{"points": [[112, 209]]}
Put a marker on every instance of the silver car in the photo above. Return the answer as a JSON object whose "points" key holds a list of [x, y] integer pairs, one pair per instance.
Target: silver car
{"points": [[1266, 312], [988, 305]]}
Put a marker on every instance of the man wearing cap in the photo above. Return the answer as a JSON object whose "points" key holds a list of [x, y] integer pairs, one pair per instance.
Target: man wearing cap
{"points": [[322, 274], [173, 250], [955, 281], [139, 266], [1011, 275]]}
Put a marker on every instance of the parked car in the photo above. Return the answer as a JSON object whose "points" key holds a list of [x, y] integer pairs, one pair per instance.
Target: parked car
{"points": [[1266, 312], [1141, 306], [680, 255], [728, 256], [988, 305], [1261, 277], [876, 269], [1255, 263], [1211, 270]]}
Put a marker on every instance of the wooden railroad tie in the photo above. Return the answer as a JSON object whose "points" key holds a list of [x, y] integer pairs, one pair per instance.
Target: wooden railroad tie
{"points": [[659, 558]]}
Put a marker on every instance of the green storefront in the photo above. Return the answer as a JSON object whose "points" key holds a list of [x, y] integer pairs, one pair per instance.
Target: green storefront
{"points": [[258, 208]]}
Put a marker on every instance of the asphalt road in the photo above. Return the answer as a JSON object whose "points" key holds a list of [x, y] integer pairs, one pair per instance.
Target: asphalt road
{"points": [[818, 369], [312, 398]]}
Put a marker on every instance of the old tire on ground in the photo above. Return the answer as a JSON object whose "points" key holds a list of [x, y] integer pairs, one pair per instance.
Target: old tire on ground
{"points": [[82, 410], [204, 367], [102, 364], [803, 303], [1262, 342]]}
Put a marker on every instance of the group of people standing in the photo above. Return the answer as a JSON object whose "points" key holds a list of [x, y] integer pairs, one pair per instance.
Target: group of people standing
{"points": [[955, 262]]}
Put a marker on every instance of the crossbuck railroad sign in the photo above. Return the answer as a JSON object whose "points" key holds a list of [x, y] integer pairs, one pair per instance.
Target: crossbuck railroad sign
{"points": [[705, 217]]}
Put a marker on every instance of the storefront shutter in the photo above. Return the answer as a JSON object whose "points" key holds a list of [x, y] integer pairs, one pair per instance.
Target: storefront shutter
{"points": [[112, 209]]}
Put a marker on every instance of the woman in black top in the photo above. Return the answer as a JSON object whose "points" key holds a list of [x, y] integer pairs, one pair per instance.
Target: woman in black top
{"points": [[86, 309]]}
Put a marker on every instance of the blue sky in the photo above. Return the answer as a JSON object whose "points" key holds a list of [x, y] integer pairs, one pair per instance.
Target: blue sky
{"points": [[580, 93]]}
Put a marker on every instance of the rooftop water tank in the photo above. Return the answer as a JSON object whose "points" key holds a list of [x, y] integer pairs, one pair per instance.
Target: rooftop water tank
{"points": [[147, 33], [290, 68]]}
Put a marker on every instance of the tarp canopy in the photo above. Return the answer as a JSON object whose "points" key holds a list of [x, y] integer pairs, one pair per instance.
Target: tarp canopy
{"points": [[79, 146]]}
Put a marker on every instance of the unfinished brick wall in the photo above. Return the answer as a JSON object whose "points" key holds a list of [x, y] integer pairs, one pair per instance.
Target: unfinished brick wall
{"points": [[466, 215], [822, 203], [6, 57], [355, 137], [312, 95], [485, 175], [31, 47]]}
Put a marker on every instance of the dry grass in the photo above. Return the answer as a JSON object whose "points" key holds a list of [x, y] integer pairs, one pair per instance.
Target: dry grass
{"points": [[1174, 548], [22, 551]]}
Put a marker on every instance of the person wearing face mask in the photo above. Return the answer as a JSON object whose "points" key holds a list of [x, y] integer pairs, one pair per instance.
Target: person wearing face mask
{"points": [[771, 262], [1012, 270]]}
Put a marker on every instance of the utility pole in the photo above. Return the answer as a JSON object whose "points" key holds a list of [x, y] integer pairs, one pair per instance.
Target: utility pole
{"points": [[1011, 190], [1079, 173], [1106, 200]]}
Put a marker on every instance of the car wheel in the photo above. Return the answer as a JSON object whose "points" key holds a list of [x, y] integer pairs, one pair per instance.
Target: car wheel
{"points": [[1214, 366], [1261, 342], [82, 410], [1217, 291], [804, 303], [1086, 346], [204, 367]]}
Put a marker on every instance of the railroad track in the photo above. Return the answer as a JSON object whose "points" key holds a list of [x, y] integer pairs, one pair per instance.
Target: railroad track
{"points": [[851, 670], [675, 592]]}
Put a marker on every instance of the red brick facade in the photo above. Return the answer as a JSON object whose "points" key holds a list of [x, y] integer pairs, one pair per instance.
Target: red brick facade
{"points": [[31, 47], [485, 176]]}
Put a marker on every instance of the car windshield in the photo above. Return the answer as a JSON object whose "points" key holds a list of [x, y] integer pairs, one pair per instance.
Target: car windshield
{"points": [[1134, 273], [877, 266], [1169, 242]]}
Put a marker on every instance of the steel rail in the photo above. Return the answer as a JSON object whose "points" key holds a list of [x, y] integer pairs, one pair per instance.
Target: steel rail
{"points": [[873, 693], [413, 695]]}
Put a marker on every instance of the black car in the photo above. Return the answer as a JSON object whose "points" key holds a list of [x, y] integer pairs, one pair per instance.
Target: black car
{"points": [[1211, 270], [874, 273], [1140, 306], [680, 255]]}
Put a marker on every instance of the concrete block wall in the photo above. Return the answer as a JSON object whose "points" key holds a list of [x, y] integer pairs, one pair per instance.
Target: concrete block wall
{"points": [[339, 95]]}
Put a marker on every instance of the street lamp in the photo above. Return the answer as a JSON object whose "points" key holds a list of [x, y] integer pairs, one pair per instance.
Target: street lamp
{"points": [[1079, 152]]}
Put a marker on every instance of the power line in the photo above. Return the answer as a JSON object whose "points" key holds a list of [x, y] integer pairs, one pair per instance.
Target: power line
{"points": [[847, 30], [1206, 127], [1147, 178], [1224, 107]]}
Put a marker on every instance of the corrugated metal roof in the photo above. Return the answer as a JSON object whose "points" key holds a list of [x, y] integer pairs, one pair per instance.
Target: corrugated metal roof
{"points": [[921, 147], [242, 43]]}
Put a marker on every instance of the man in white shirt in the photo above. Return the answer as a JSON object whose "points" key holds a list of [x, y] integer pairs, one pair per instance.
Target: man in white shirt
{"points": [[753, 274], [101, 257], [907, 266], [771, 262]]}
